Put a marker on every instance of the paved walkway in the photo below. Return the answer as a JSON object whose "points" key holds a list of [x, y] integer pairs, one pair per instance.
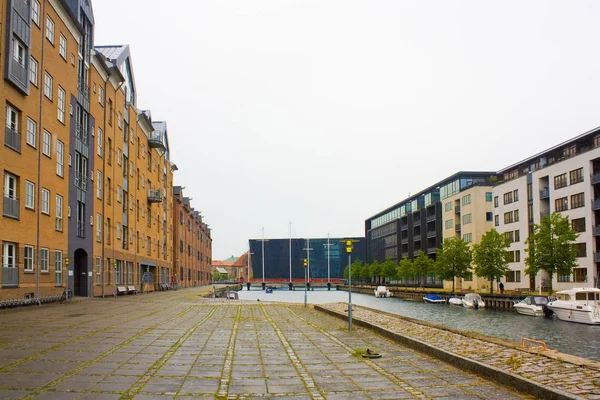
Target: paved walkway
{"points": [[573, 375], [174, 345]]}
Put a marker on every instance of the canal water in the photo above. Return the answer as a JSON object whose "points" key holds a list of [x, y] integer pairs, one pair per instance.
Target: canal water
{"points": [[566, 337]]}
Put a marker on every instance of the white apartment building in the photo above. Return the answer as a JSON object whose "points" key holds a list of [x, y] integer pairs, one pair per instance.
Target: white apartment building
{"points": [[565, 179]]}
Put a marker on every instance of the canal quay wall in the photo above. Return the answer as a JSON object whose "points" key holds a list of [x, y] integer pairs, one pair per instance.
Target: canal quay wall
{"points": [[543, 374], [495, 302]]}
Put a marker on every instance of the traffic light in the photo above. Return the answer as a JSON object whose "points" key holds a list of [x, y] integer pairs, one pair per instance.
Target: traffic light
{"points": [[306, 262], [348, 246]]}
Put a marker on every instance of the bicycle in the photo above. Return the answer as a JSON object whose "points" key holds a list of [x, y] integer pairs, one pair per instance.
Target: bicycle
{"points": [[67, 295]]}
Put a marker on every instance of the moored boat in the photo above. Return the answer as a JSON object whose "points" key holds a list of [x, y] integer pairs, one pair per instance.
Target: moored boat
{"points": [[455, 301], [382, 291], [535, 306], [473, 300], [581, 305], [433, 298]]}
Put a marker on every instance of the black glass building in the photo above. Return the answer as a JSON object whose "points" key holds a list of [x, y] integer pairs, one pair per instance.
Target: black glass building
{"points": [[277, 258]]}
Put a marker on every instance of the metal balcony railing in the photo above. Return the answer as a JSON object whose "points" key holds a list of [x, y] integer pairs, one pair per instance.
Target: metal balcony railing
{"points": [[81, 181], [596, 230], [155, 140], [80, 229], [595, 179], [597, 257], [10, 207], [12, 139], [544, 214], [154, 196], [596, 204], [431, 218], [10, 276], [83, 88], [19, 71], [544, 193], [457, 210], [457, 227]]}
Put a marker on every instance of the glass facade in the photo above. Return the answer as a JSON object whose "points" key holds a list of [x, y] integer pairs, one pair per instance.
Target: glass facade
{"points": [[277, 257]]}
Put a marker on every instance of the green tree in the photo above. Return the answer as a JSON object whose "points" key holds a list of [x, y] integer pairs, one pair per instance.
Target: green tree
{"points": [[422, 265], [453, 260], [490, 256], [375, 270], [356, 270], [551, 247], [388, 269], [405, 270]]}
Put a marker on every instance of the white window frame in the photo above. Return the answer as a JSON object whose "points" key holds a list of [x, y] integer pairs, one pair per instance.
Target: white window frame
{"points": [[119, 156], [35, 12], [31, 132], [28, 258], [119, 193], [44, 260], [49, 29], [19, 52], [118, 231], [47, 85], [59, 213], [60, 158], [98, 270], [45, 201], [62, 47], [101, 96], [100, 140], [98, 227], [61, 104], [58, 270], [33, 71], [99, 184], [12, 118], [11, 184], [9, 255], [131, 202], [30, 195], [47, 144]]}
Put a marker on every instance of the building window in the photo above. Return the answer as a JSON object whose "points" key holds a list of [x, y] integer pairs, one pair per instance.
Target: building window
{"points": [[496, 201], [60, 155], [513, 276], [110, 112], [61, 105], [516, 217], [580, 249], [578, 224], [46, 145], [577, 200], [119, 194], [100, 140], [47, 85], [49, 29], [488, 196], [467, 219], [466, 200], [59, 213], [560, 181], [44, 259], [576, 176], [33, 71], [579, 274], [9, 255], [508, 197], [45, 201], [31, 132], [29, 195], [449, 223], [109, 151], [510, 236], [62, 46], [35, 12], [118, 230], [468, 237], [517, 235], [101, 96], [98, 227], [58, 268], [119, 156], [508, 217], [12, 118], [518, 257], [99, 184], [98, 271], [561, 204], [489, 216], [28, 258], [516, 195]]}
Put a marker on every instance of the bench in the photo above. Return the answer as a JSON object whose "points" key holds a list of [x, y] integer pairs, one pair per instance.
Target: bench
{"points": [[131, 289], [121, 290]]}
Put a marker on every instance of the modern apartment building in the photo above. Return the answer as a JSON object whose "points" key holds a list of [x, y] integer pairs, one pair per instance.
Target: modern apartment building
{"points": [[193, 242], [423, 220], [565, 179], [87, 177]]}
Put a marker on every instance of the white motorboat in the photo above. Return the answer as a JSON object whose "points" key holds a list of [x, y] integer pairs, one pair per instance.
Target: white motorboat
{"points": [[473, 300], [382, 291], [433, 298], [532, 305], [580, 305], [455, 301]]}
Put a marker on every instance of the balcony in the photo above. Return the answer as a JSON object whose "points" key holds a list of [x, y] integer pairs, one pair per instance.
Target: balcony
{"points": [[80, 229], [404, 240], [10, 276], [431, 234], [596, 230], [10, 207], [457, 210], [596, 204], [431, 249], [595, 179], [597, 257], [457, 227], [19, 72], [154, 196], [544, 214], [431, 218], [544, 193], [81, 181], [417, 222], [12, 139], [155, 140]]}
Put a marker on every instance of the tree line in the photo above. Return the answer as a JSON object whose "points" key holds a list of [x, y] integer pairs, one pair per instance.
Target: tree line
{"points": [[550, 248]]}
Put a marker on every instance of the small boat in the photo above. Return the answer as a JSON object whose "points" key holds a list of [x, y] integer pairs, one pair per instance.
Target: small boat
{"points": [[455, 301], [382, 291], [433, 298], [269, 289], [580, 305], [535, 306], [473, 300]]}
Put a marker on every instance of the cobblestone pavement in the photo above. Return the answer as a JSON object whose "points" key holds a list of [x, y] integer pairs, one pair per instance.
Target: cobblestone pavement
{"points": [[174, 345], [552, 370]]}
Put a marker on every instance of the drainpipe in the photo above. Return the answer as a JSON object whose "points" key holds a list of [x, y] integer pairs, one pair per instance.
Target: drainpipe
{"points": [[39, 168], [103, 177]]}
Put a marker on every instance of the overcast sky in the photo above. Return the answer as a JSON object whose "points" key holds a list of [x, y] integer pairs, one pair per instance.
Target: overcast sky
{"points": [[324, 113]]}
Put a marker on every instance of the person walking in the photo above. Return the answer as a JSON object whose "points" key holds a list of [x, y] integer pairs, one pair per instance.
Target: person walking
{"points": [[501, 286]]}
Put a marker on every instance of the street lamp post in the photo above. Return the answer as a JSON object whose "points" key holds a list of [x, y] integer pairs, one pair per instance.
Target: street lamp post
{"points": [[305, 275], [349, 251], [263, 240], [328, 262], [248, 274]]}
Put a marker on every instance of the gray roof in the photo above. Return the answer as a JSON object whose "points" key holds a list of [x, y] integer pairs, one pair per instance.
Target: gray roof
{"points": [[114, 53]]}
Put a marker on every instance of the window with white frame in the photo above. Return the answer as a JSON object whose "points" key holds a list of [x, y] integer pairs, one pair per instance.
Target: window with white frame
{"points": [[12, 118], [19, 52], [131, 202], [99, 184], [101, 96], [58, 268], [143, 180], [62, 46], [98, 270], [118, 230], [119, 193], [131, 168], [31, 132], [10, 186], [29, 195], [44, 260], [61, 104], [28, 258], [47, 143], [119, 156], [59, 213], [9, 255], [60, 158], [49, 29], [33, 71], [48, 85], [35, 12], [98, 227], [100, 139], [45, 201]]}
